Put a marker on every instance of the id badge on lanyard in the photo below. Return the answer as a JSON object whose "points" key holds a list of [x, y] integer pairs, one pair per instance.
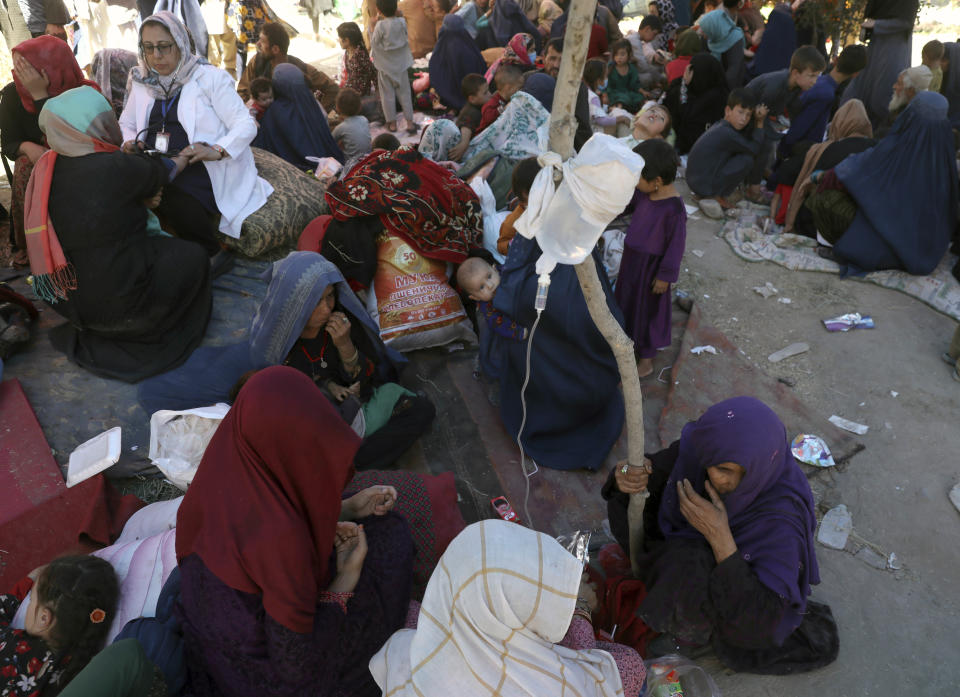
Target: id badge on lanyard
{"points": [[162, 142]]}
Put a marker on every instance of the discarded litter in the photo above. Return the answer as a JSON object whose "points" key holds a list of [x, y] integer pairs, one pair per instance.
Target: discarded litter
{"points": [[845, 323], [706, 296], [697, 350], [784, 301], [894, 394], [893, 562], [846, 425], [955, 497], [765, 290], [94, 456], [697, 253], [791, 350], [812, 450], [872, 558], [835, 528]]}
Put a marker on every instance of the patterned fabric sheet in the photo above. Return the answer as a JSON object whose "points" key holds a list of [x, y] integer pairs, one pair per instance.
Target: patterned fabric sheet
{"points": [[939, 290]]}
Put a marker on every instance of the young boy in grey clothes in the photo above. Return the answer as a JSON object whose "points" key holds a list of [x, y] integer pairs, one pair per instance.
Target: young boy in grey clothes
{"points": [[353, 133], [390, 52]]}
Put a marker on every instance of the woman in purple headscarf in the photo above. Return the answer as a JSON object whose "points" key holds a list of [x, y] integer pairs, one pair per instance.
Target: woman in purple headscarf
{"points": [[729, 533]]}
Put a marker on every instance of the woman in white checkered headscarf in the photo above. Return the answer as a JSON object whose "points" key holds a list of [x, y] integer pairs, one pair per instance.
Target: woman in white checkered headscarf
{"points": [[495, 608]]}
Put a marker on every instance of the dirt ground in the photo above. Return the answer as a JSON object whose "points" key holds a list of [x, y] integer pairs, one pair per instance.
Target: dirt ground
{"points": [[897, 629]]}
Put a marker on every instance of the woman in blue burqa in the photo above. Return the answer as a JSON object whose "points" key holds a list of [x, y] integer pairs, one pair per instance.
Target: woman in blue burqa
{"points": [[506, 21], [311, 321], [454, 57], [777, 45], [574, 406], [294, 127], [893, 206], [888, 53]]}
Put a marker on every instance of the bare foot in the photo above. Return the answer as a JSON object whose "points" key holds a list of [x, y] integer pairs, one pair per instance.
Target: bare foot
{"points": [[645, 367], [392, 127]]}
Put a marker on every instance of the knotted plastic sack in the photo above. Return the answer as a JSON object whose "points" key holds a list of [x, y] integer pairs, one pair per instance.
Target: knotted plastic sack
{"points": [[567, 220]]}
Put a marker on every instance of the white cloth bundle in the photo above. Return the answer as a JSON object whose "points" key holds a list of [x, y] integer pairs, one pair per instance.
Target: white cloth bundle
{"points": [[597, 185]]}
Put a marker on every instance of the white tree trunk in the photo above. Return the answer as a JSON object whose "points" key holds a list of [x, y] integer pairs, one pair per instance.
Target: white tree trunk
{"points": [[12, 24], [562, 129]]}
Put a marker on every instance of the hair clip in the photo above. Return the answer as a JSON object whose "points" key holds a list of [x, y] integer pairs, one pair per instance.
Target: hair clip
{"points": [[97, 616]]}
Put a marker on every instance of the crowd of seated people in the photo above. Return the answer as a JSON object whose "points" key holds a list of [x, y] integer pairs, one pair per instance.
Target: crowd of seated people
{"points": [[288, 580]]}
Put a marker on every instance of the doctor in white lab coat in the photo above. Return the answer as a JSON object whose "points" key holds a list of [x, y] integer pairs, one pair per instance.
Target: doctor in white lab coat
{"points": [[178, 102]]}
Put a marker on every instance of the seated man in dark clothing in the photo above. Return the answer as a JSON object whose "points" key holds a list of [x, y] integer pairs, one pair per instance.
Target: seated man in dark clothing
{"points": [[271, 52]]}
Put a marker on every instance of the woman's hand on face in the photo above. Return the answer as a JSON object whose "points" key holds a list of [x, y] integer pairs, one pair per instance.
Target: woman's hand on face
{"points": [[374, 500], [634, 480], [34, 81], [350, 543], [338, 327], [709, 518]]}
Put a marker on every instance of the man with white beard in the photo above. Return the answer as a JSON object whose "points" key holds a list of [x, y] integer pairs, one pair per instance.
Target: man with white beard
{"points": [[909, 83]]}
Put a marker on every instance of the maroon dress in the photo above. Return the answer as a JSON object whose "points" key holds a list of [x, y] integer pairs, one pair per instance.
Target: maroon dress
{"points": [[652, 251]]}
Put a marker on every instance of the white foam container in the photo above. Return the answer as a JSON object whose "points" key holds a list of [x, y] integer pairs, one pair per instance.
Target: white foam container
{"points": [[93, 457]]}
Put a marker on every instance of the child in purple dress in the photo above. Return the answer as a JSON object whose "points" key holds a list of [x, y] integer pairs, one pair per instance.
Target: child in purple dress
{"points": [[653, 248]]}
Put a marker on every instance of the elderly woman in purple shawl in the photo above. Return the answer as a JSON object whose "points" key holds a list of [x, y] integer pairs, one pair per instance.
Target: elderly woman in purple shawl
{"points": [[729, 533]]}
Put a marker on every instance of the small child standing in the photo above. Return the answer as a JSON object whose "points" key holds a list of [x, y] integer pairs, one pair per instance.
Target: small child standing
{"points": [[595, 78], [72, 604], [931, 56], [508, 80], [358, 72], [261, 97], [652, 251], [623, 83], [390, 51], [524, 173], [353, 132]]}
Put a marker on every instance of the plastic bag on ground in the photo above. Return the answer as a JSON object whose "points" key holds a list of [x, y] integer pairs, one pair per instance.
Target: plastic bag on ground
{"points": [[663, 673], [178, 440]]}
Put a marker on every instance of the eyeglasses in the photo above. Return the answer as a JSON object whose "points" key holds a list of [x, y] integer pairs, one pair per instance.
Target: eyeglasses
{"points": [[163, 49]]}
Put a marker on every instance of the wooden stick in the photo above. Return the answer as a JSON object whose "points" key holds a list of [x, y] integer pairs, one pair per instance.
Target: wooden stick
{"points": [[562, 129]]}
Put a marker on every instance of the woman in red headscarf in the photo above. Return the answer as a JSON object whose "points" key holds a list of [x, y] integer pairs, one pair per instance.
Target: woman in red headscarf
{"points": [[42, 68], [287, 589]]}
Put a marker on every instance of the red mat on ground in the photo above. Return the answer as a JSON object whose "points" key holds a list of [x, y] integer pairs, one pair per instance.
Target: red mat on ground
{"points": [[40, 518]]}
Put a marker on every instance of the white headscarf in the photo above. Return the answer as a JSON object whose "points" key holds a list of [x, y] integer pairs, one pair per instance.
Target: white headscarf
{"points": [[497, 604], [166, 86]]}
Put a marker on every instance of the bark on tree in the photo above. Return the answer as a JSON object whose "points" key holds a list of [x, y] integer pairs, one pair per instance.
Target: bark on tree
{"points": [[562, 129]]}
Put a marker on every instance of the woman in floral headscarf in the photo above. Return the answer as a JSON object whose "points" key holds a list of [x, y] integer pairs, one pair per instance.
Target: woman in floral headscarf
{"points": [[42, 68]]}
